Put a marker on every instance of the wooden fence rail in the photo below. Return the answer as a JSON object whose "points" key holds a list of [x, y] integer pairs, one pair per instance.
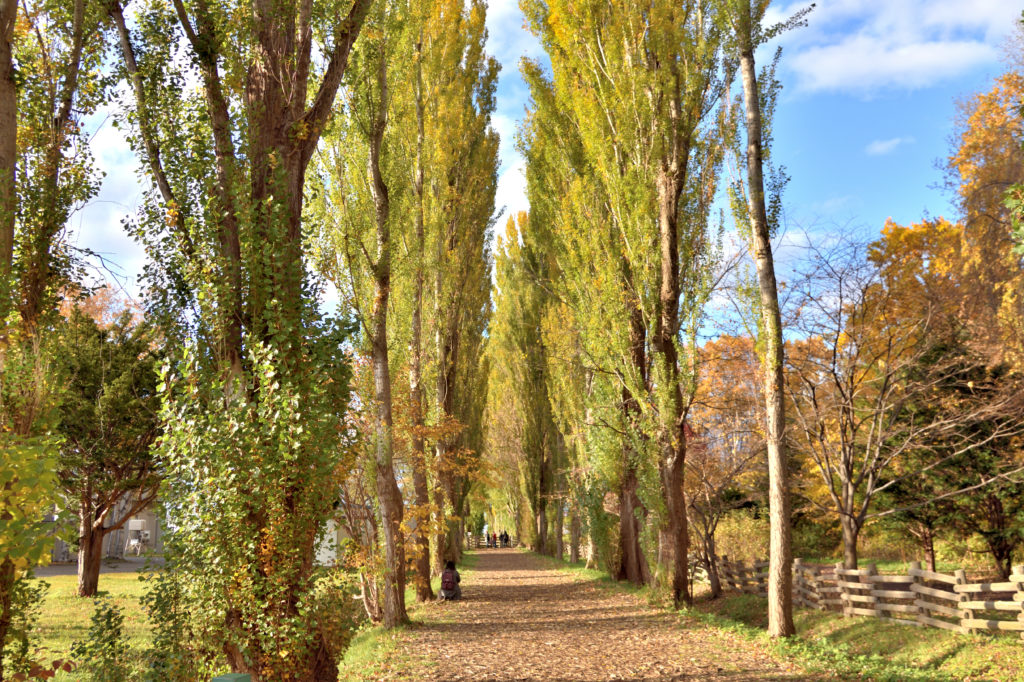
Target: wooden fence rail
{"points": [[920, 598]]}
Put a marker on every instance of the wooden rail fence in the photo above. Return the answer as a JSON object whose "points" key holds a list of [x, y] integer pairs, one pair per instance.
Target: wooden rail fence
{"points": [[920, 598]]}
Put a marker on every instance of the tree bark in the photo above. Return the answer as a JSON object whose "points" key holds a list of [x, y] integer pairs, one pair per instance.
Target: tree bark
{"points": [[780, 571], [672, 430], [7, 578], [574, 537], [424, 592], [8, 150], [672, 483], [924, 531], [633, 565], [446, 342], [540, 525], [711, 564], [559, 544], [390, 496], [90, 558], [851, 529]]}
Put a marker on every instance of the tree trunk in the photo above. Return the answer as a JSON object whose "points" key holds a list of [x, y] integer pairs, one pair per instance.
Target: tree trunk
{"points": [[90, 557], [633, 564], [591, 551], [559, 545], [574, 537], [419, 458], [925, 534], [387, 487], [711, 564], [540, 526], [675, 499], [780, 571], [8, 151], [851, 529], [7, 578]]}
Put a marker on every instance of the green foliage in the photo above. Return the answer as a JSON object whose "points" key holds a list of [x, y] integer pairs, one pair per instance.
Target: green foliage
{"points": [[108, 416], [743, 536], [59, 47], [240, 543], [102, 655], [19, 651]]}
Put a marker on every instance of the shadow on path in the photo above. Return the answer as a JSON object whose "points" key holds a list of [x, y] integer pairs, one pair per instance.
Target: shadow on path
{"points": [[522, 620]]}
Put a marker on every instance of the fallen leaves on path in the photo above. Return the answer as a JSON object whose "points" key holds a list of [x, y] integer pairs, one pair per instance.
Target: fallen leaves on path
{"points": [[522, 620]]}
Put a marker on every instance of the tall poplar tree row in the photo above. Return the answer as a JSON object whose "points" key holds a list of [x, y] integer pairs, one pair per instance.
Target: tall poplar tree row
{"points": [[367, 214], [227, 106], [462, 152], [641, 85], [409, 177], [46, 173], [519, 384]]}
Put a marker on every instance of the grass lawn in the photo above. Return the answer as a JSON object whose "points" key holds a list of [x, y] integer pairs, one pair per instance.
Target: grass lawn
{"points": [[65, 618], [371, 654], [880, 649], [854, 648]]}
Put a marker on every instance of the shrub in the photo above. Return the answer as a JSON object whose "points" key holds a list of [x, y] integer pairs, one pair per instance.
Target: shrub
{"points": [[102, 655], [742, 536]]}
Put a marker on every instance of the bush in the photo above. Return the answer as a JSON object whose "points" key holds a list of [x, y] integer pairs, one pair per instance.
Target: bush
{"points": [[26, 598], [742, 536], [102, 655], [814, 539]]}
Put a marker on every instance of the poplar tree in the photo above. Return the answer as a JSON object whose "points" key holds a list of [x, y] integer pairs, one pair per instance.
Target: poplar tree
{"points": [[365, 215], [46, 173], [227, 106], [459, 83], [519, 369], [755, 203], [640, 86]]}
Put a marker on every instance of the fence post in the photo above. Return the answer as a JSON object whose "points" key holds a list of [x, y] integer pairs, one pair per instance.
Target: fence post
{"points": [[798, 582], [1018, 577], [815, 582], [725, 571], [762, 581], [965, 614], [922, 612], [844, 591], [872, 570]]}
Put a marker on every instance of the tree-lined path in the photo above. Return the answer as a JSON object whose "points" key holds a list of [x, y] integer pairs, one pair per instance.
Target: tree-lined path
{"points": [[522, 619]]}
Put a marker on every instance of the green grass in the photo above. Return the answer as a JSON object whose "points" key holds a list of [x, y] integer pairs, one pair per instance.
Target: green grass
{"points": [[373, 652], [64, 617], [885, 566], [875, 648], [849, 648]]}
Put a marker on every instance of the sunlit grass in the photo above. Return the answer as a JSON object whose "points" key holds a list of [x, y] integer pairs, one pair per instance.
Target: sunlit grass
{"points": [[65, 618]]}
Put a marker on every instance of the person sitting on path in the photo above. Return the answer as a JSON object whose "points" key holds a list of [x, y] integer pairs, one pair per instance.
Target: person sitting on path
{"points": [[450, 580]]}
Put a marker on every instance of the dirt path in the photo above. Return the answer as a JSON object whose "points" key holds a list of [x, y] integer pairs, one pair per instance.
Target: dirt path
{"points": [[522, 620]]}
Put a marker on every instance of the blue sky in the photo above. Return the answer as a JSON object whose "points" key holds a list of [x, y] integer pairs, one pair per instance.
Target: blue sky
{"points": [[866, 111]]}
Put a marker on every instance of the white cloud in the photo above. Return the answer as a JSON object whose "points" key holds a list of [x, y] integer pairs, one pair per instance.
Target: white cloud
{"points": [[862, 46], [508, 41], [511, 193], [98, 225], [883, 147]]}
